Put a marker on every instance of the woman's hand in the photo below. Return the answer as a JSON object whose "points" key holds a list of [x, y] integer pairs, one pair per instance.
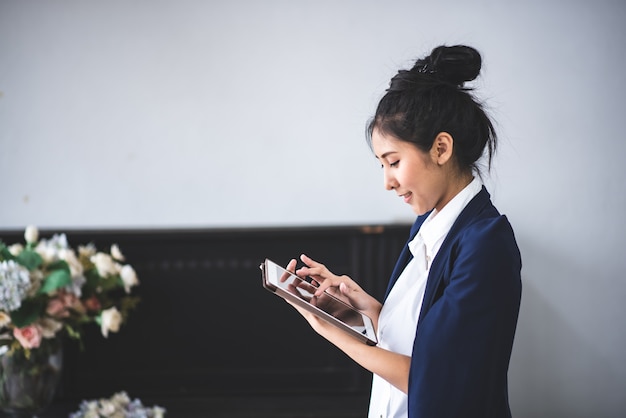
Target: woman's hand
{"points": [[342, 287], [391, 366]]}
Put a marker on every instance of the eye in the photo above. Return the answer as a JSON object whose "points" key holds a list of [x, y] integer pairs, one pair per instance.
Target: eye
{"points": [[394, 164]]}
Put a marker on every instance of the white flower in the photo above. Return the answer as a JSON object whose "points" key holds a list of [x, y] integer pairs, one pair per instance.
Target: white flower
{"points": [[31, 235], [69, 256], [86, 251], [88, 409], [36, 279], [5, 319], [110, 320], [16, 249], [107, 408], [118, 406], [116, 253], [76, 287], [76, 270], [92, 406], [121, 399], [104, 264], [14, 285], [49, 249], [129, 277]]}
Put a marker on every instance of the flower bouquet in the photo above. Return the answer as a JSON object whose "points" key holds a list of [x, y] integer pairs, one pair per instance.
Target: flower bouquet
{"points": [[47, 291], [118, 406]]}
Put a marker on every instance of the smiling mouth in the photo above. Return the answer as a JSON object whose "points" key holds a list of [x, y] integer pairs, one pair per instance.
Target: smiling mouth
{"points": [[406, 197]]}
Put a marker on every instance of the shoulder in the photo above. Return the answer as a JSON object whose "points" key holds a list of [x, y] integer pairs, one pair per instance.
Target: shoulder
{"points": [[482, 231], [487, 229], [482, 254], [480, 220]]}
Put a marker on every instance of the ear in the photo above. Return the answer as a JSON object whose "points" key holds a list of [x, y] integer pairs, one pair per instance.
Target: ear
{"points": [[441, 151]]}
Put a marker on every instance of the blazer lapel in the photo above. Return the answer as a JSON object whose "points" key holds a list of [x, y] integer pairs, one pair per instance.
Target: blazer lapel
{"points": [[435, 276]]}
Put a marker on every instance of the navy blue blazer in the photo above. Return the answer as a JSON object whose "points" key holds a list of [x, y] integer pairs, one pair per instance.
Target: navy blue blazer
{"points": [[469, 314]]}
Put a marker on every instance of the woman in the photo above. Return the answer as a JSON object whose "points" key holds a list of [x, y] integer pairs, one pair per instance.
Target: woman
{"points": [[448, 320]]}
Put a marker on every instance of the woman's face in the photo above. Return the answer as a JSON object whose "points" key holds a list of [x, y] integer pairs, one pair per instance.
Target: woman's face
{"points": [[416, 176]]}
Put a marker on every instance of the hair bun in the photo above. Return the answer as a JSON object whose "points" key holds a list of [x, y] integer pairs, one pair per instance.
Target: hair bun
{"points": [[453, 64]]}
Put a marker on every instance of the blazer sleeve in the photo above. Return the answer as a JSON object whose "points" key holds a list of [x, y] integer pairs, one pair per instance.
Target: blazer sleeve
{"points": [[465, 334]]}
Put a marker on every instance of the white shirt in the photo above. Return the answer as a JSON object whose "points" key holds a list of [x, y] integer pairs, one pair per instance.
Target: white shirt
{"points": [[397, 322]]}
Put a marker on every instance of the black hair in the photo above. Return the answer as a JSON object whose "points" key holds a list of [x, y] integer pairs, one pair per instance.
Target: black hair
{"points": [[431, 98]]}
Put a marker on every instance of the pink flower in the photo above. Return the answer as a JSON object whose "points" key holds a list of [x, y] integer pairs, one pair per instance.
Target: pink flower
{"points": [[60, 306], [29, 336], [93, 304], [72, 302], [69, 299], [57, 308]]}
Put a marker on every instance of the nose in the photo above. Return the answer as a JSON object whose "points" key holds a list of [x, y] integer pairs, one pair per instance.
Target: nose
{"points": [[389, 180]]}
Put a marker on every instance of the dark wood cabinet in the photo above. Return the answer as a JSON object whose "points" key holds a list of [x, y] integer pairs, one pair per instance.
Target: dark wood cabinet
{"points": [[206, 330]]}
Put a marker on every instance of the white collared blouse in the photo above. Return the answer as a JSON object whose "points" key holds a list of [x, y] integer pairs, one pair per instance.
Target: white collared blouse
{"points": [[397, 322]]}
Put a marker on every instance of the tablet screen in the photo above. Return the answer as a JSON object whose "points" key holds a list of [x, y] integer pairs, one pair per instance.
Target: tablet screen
{"points": [[332, 306]]}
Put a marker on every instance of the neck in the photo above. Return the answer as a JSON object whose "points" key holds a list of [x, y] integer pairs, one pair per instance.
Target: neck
{"points": [[457, 183]]}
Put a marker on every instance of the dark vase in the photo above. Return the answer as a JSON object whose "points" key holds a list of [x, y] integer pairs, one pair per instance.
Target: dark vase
{"points": [[28, 383]]}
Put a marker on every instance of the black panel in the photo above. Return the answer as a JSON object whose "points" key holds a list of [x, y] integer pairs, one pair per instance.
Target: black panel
{"points": [[205, 326]]}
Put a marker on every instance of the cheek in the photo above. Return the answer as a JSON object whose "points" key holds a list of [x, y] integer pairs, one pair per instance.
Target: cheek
{"points": [[425, 192], [415, 181]]}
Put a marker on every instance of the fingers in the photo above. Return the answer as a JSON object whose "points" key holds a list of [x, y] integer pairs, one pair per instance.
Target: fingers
{"points": [[302, 289], [326, 280], [290, 267], [313, 269], [338, 287], [318, 272]]}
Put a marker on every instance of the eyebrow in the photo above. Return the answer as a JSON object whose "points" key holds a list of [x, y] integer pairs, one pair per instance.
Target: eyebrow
{"points": [[386, 154]]}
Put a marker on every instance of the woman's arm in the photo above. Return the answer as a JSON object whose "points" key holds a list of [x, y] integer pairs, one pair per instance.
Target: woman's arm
{"points": [[392, 367]]}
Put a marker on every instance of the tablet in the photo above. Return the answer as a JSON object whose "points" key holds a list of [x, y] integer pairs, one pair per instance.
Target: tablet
{"points": [[327, 307]]}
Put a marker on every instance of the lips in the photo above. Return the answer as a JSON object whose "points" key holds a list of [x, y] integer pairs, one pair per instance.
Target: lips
{"points": [[406, 197]]}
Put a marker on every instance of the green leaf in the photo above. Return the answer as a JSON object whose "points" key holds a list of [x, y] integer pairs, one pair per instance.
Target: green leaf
{"points": [[29, 259], [28, 313], [71, 332], [55, 280], [59, 265], [92, 281], [109, 283], [75, 334], [5, 254]]}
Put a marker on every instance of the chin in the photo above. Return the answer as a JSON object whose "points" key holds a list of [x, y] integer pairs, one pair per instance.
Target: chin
{"points": [[420, 210]]}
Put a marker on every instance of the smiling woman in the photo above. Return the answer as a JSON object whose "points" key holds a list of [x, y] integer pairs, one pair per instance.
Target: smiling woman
{"points": [[445, 330], [421, 179], [183, 114]]}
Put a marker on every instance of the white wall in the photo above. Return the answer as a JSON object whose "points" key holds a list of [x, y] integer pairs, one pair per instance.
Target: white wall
{"points": [[245, 113]]}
